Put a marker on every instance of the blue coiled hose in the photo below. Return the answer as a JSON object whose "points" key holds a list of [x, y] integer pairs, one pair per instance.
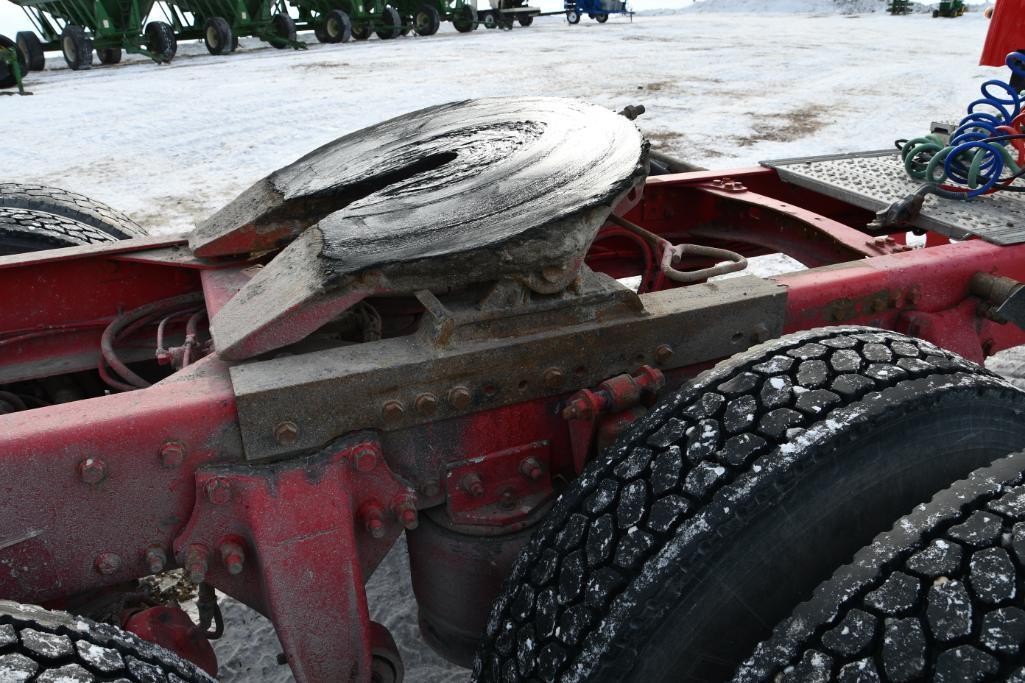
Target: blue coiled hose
{"points": [[980, 150]]}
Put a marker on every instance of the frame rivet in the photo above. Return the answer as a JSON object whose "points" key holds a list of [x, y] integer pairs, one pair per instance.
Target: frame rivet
{"points": [[554, 378], [364, 457], [392, 411], [172, 454], [92, 470], [108, 563], [663, 353], [218, 490], [156, 559], [426, 404], [531, 469], [286, 433], [372, 515], [459, 397]]}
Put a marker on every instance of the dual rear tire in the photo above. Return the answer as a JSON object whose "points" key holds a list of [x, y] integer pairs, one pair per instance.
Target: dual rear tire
{"points": [[672, 556]]}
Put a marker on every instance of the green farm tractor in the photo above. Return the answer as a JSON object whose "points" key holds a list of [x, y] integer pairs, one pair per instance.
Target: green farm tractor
{"points": [[77, 27], [220, 23], [338, 21], [899, 7], [949, 8]]}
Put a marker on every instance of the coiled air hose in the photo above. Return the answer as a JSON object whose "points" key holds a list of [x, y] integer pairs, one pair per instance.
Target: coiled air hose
{"points": [[986, 152]]}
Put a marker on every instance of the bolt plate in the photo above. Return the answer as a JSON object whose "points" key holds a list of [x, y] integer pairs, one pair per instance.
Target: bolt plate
{"points": [[874, 180], [499, 473]]}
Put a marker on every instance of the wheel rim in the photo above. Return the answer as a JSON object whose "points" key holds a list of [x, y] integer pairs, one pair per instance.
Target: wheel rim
{"points": [[211, 37], [332, 28], [69, 49], [422, 21]]}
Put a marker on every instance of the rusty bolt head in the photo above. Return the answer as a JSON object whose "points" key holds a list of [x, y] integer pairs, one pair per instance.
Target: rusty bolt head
{"points": [[392, 411], [426, 404], [531, 468], [156, 559], [472, 484], [108, 563], [459, 397], [286, 433], [364, 457], [375, 527], [196, 562], [554, 378], [372, 516], [663, 354], [92, 470], [172, 454], [218, 491], [507, 500], [409, 518], [233, 557]]}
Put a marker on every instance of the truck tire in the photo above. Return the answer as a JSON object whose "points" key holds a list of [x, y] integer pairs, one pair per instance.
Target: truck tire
{"points": [[70, 205], [7, 79], [465, 19], [109, 55], [284, 29], [678, 548], [933, 598], [31, 49], [337, 27], [161, 41], [23, 230], [218, 36], [601, 18], [389, 24], [573, 16], [426, 21], [55, 646], [76, 48]]}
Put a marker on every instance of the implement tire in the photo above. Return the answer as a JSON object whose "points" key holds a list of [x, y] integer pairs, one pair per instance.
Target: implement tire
{"points": [[426, 21], [161, 41], [32, 50], [70, 205], [284, 30], [677, 550], [389, 24], [109, 55], [464, 19], [218, 36], [76, 48], [56, 646], [337, 27], [936, 598]]}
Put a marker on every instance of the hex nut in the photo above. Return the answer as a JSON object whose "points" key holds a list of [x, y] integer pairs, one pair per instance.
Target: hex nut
{"points": [[426, 404], [286, 433], [663, 354], [459, 397], [392, 411]]}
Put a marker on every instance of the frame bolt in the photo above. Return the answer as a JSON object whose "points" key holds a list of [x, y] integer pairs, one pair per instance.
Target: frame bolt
{"points": [[392, 411], [218, 491], [92, 470], [364, 457], [531, 468], [554, 378], [286, 433], [472, 484], [108, 563], [156, 559], [663, 353], [459, 397], [233, 557], [172, 454], [404, 507], [426, 404], [197, 561], [372, 515]]}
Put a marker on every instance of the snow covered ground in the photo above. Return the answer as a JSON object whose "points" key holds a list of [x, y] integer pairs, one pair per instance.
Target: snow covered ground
{"points": [[171, 144]]}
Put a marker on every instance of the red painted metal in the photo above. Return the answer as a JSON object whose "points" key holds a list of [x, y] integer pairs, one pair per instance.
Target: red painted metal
{"points": [[171, 627], [105, 490], [1006, 32]]}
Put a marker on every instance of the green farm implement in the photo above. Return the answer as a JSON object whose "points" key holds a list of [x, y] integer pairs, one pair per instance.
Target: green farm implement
{"points": [[77, 27], [336, 21], [949, 8], [899, 7], [424, 17], [220, 23]]}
